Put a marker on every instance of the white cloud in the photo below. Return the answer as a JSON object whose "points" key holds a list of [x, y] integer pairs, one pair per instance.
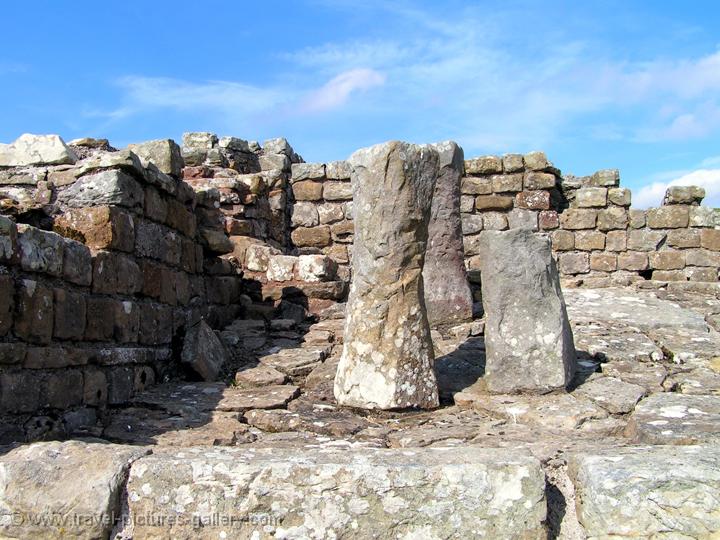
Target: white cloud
{"points": [[336, 92], [652, 195]]}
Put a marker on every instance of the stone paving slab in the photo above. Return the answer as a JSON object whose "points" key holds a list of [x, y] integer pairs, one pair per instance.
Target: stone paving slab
{"points": [[648, 492], [363, 493]]}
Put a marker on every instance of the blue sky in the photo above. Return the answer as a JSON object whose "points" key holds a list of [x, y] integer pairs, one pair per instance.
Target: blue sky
{"points": [[628, 84]]}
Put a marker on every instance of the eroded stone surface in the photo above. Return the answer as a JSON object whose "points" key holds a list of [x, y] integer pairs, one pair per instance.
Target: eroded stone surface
{"points": [[613, 395], [428, 493], [388, 355], [527, 333], [648, 492], [447, 293], [203, 352]]}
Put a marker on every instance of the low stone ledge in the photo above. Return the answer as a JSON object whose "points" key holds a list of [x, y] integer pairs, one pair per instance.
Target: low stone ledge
{"points": [[648, 492], [326, 492]]}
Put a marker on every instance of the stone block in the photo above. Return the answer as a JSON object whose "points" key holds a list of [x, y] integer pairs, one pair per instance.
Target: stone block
{"points": [[70, 315], [180, 218], [338, 170], [34, 317], [40, 251], [307, 171], [343, 231], [589, 240], [126, 319], [495, 221], [539, 180], [471, 223], [591, 197], [513, 162], [100, 227], [30, 149], [507, 183], [155, 324], [536, 161], [330, 213], [305, 214], [257, 257], [709, 239], [603, 262], [157, 242], [493, 202], [121, 384], [521, 218], [563, 241], [94, 387], [315, 268], [471, 245], [215, 241], [574, 263], [620, 196], [311, 236], [695, 273], [63, 389], [576, 219], [616, 241], [77, 263], [484, 165], [668, 217], [704, 216], [643, 240], [307, 190], [337, 191], [534, 200], [105, 188], [684, 238], [7, 303], [20, 391], [12, 353], [9, 252], [164, 153], [203, 352], [548, 220], [702, 257], [668, 275], [667, 260], [633, 261], [684, 195], [473, 185], [281, 268], [100, 319], [612, 218], [238, 227], [467, 204], [638, 218], [606, 178], [116, 273]]}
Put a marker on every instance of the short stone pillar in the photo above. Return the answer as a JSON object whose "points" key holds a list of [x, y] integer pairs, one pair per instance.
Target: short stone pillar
{"points": [[528, 339], [447, 292], [387, 359]]}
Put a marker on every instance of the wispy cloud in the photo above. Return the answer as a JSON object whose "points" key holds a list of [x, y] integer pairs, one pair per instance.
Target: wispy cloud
{"points": [[337, 91]]}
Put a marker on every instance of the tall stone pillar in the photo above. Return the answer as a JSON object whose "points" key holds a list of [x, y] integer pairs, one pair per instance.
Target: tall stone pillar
{"points": [[387, 359], [447, 292], [528, 339]]}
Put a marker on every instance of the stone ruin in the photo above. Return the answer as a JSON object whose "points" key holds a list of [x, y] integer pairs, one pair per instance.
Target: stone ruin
{"points": [[219, 340]]}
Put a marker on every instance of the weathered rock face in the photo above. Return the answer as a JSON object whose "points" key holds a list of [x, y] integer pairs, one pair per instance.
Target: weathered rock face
{"points": [[528, 337], [70, 489], [387, 359], [277, 493], [36, 150], [203, 351], [447, 294], [646, 492]]}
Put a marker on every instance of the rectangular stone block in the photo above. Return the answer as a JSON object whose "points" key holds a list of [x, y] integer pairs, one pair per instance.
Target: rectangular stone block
{"points": [[484, 165], [70, 315], [330, 213], [34, 317], [94, 387], [9, 253], [338, 170], [603, 262], [493, 202], [155, 324], [644, 240], [337, 191], [684, 195], [181, 219], [548, 220], [616, 241], [7, 303], [574, 263], [12, 353], [589, 240], [539, 180], [513, 162], [407, 490], [473, 185], [156, 207], [108, 187], [612, 218], [507, 183], [669, 275], [638, 218], [667, 260], [307, 190], [54, 357], [126, 322], [620, 196], [115, 273], [683, 238], [40, 251], [606, 178], [709, 239], [20, 391], [576, 219], [704, 216], [311, 236], [563, 241], [591, 197], [121, 384], [100, 319], [536, 161], [633, 261], [99, 227], [533, 200], [702, 257], [307, 171], [696, 273], [467, 204], [157, 242], [668, 217], [522, 218], [495, 221], [77, 263]]}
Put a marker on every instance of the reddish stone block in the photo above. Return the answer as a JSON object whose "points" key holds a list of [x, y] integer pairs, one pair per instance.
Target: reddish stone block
{"points": [[549, 220], [181, 219], [114, 273], [34, 317], [533, 200], [98, 227], [152, 278]]}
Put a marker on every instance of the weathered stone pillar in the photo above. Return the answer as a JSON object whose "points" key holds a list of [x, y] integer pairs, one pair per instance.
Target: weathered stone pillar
{"points": [[447, 292], [387, 359], [528, 339]]}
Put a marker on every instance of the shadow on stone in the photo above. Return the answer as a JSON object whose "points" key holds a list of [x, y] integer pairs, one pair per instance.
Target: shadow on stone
{"points": [[460, 369]]}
